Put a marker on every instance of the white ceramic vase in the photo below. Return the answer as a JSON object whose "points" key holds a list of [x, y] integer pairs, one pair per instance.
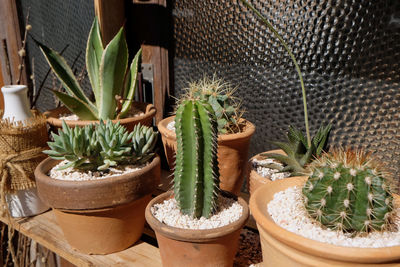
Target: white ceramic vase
{"points": [[16, 108]]}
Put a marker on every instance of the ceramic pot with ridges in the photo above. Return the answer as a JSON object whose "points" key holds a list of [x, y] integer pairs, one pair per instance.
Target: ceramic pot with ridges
{"points": [[146, 119], [232, 154], [186, 247], [283, 248], [101, 216]]}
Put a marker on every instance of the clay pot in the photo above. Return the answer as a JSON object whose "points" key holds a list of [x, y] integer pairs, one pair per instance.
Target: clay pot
{"points": [[254, 180], [283, 248], [232, 154], [186, 247], [101, 216], [146, 119]]}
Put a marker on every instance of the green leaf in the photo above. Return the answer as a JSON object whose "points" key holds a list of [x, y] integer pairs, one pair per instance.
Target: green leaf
{"points": [[112, 72], [64, 73], [94, 52], [81, 109], [129, 92]]}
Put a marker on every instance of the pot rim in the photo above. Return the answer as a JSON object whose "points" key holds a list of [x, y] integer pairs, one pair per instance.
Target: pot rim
{"points": [[52, 115], [253, 172], [193, 235], [249, 130], [119, 189], [330, 251]]}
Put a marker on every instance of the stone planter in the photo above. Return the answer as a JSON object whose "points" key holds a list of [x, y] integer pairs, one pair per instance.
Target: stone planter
{"points": [[101, 216], [232, 154], [146, 119], [187, 247], [283, 248]]}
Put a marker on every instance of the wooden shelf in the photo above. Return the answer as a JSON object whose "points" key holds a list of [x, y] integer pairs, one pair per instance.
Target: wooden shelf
{"points": [[44, 230]]}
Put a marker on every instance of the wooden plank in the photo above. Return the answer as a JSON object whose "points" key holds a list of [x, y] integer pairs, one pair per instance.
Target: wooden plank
{"points": [[10, 43], [43, 229], [151, 15], [111, 15]]}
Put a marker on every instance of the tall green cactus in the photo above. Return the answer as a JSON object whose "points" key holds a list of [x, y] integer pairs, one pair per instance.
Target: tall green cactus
{"points": [[349, 191], [196, 177]]}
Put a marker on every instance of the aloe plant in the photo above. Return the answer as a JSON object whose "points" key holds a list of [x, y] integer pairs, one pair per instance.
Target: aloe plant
{"points": [[108, 73], [298, 153]]}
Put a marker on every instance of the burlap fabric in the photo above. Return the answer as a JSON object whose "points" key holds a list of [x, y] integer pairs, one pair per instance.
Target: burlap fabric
{"points": [[21, 147]]}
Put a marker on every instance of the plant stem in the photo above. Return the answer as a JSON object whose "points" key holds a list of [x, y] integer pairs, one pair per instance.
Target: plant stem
{"points": [[303, 90]]}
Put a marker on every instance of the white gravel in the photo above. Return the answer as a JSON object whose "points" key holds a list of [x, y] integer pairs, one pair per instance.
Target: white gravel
{"points": [[169, 213], [269, 173], [288, 211], [70, 174], [171, 126], [69, 117], [134, 112]]}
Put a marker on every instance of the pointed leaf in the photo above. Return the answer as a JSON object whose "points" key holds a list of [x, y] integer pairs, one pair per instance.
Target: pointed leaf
{"points": [[81, 109], [63, 72], [112, 72], [129, 92], [94, 52]]}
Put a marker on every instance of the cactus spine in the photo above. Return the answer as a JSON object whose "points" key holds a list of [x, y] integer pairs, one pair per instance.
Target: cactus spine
{"points": [[196, 177], [349, 191]]}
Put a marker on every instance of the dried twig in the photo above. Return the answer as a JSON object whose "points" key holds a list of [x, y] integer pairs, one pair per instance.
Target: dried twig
{"points": [[22, 51]]}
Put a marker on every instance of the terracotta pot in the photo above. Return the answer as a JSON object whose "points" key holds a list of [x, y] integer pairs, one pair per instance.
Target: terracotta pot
{"points": [[283, 248], [101, 216], [254, 180], [186, 247], [232, 154], [146, 119]]}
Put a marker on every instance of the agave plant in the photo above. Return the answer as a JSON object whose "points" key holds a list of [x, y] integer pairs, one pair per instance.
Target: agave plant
{"points": [[108, 72], [101, 146], [298, 152]]}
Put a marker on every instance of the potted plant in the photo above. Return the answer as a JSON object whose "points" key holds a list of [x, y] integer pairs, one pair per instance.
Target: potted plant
{"points": [[288, 161], [184, 234], [344, 214], [113, 84], [98, 180], [234, 132]]}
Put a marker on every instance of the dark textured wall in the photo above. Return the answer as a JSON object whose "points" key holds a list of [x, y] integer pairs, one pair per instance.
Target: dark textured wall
{"points": [[349, 52], [56, 23]]}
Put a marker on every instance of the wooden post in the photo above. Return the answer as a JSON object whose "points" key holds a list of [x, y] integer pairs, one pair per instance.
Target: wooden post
{"points": [[10, 43], [151, 33], [111, 15]]}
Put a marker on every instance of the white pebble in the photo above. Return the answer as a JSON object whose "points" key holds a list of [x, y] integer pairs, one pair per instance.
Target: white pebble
{"points": [[272, 174], [70, 174], [168, 212]]}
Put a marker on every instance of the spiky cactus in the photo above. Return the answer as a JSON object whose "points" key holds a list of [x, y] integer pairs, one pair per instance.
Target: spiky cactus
{"points": [[196, 177], [101, 146], [220, 96], [349, 191], [298, 153]]}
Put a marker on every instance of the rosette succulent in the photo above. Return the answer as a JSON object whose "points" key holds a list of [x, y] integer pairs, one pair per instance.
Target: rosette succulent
{"points": [[101, 146]]}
